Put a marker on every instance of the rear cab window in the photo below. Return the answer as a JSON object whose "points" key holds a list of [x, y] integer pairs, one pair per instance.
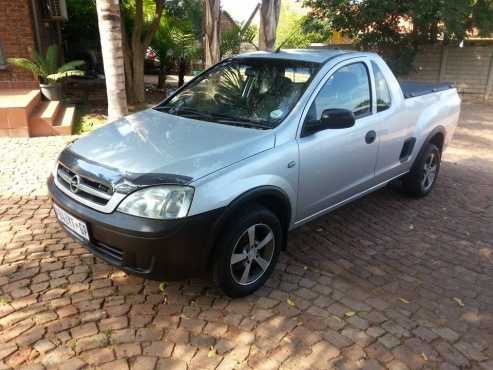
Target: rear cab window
{"points": [[384, 101]]}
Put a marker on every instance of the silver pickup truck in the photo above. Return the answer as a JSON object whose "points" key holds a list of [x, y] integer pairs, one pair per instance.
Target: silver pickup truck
{"points": [[214, 177]]}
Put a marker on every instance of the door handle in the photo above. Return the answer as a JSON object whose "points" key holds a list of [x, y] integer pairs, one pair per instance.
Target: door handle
{"points": [[370, 137]]}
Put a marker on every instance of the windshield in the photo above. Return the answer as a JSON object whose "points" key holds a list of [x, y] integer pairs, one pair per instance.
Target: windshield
{"points": [[257, 93]]}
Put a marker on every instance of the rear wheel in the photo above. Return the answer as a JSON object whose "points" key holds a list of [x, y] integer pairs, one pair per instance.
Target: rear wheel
{"points": [[248, 252], [423, 175]]}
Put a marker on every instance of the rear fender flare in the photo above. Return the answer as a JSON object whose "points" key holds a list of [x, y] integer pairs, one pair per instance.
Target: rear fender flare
{"points": [[437, 130]]}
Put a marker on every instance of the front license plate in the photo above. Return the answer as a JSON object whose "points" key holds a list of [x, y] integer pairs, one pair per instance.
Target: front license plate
{"points": [[74, 224]]}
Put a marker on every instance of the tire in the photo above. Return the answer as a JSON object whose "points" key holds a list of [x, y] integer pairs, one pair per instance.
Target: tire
{"points": [[420, 181], [235, 252]]}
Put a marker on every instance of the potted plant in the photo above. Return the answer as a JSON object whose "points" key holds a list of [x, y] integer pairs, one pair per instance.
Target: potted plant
{"points": [[48, 71]]}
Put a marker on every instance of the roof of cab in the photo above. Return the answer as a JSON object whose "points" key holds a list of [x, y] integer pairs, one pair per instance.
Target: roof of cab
{"points": [[306, 55]]}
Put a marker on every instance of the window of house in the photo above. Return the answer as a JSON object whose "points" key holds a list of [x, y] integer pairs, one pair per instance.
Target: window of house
{"points": [[348, 88], [382, 89]]}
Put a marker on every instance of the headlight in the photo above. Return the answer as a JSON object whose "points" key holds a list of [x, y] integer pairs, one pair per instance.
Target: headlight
{"points": [[159, 202], [54, 169]]}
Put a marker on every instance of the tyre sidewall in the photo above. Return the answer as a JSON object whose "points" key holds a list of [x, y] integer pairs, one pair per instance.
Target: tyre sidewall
{"points": [[222, 271], [413, 182]]}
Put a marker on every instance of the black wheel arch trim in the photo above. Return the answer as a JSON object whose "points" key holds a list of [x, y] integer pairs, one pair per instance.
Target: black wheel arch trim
{"points": [[250, 196], [436, 130]]}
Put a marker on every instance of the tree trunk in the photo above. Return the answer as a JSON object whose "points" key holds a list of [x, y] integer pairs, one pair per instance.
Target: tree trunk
{"points": [[136, 46], [212, 21], [129, 76], [163, 72], [138, 75], [269, 17], [111, 46], [182, 66]]}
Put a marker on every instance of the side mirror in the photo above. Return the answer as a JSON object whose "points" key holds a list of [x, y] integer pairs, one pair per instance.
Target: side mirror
{"points": [[337, 118], [330, 119]]}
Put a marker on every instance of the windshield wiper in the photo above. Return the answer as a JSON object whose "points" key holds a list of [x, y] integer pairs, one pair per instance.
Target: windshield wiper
{"points": [[240, 121], [182, 111], [244, 122]]}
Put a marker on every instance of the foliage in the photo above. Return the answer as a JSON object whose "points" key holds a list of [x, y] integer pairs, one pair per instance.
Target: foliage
{"points": [[47, 68], [296, 30], [83, 21], [173, 40], [232, 39], [141, 20], [88, 117], [182, 43], [162, 43], [231, 86], [381, 24], [175, 45], [190, 12]]}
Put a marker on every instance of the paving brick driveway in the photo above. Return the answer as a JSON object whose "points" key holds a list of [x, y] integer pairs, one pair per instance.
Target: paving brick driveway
{"points": [[387, 282]]}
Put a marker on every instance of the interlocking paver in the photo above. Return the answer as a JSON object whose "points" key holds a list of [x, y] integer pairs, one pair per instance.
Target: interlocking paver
{"points": [[386, 282]]}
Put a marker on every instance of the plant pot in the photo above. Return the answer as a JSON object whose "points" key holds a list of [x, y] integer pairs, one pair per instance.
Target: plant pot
{"points": [[51, 91]]}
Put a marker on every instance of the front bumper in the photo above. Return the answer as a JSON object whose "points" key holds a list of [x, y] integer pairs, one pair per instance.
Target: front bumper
{"points": [[155, 249]]}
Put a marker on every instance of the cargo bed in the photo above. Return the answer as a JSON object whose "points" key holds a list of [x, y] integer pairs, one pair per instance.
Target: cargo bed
{"points": [[412, 89]]}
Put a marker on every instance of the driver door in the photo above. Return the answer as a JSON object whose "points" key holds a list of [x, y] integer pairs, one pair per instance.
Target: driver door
{"points": [[337, 164]]}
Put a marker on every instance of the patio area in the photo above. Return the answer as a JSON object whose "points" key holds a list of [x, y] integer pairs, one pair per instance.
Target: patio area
{"points": [[387, 282]]}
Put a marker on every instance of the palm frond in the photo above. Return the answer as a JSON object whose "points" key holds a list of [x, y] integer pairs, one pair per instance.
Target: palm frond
{"points": [[71, 66], [231, 87], [51, 59], [46, 68], [41, 62], [58, 76], [183, 42], [26, 64]]}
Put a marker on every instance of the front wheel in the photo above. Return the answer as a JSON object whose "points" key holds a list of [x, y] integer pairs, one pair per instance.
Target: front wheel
{"points": [[247, 252], [423, 175]]}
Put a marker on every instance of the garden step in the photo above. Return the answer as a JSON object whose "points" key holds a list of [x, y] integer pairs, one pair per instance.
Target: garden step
{"points": [[16, 107], [63, 125], [47, 111], [43, 118]]}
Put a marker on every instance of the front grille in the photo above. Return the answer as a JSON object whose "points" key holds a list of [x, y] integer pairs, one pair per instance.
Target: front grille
{"points": [[86, 188]]}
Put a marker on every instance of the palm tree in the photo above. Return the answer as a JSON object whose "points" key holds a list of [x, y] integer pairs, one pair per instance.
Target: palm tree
{"points": [[173, 44], [110, 31], [183, 48], [269, 17], [212, 21]]}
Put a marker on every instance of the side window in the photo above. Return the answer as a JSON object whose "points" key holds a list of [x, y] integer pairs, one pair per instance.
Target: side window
{"points": [[382, 89], [348, 88]]}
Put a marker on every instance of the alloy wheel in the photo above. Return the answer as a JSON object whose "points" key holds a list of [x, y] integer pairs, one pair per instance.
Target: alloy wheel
{"points": [[430, 169], [252, 254]]}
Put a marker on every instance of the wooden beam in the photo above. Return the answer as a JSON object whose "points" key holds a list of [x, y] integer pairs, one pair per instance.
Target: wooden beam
{"points": [[443, 63], [489, 84]]}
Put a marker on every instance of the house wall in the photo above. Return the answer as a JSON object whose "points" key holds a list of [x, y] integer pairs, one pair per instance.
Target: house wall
{"points": [[16, 40], [227, 23], [470, 68]]}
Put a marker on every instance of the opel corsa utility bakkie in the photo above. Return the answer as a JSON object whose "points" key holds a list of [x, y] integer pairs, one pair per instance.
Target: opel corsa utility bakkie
{"points": [[214, 177]]}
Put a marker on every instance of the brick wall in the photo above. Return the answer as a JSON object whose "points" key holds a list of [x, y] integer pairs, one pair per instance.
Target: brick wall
{"points": [[16, 40]]}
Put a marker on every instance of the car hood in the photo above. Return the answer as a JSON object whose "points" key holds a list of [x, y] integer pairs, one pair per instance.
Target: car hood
{"points": [[161, 143]]}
